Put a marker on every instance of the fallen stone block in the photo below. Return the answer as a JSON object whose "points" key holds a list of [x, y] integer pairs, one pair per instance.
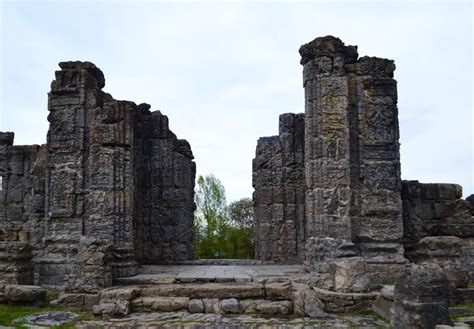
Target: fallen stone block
{"points": [[23, 293]]}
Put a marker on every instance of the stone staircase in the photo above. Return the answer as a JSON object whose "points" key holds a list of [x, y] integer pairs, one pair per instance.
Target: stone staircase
{"points": [[228, 290], [265, 298]]}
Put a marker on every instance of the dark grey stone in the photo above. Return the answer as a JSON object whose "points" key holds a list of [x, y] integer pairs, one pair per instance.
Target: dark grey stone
{"points": [[278, 179], [112, 187], [421, 298]]}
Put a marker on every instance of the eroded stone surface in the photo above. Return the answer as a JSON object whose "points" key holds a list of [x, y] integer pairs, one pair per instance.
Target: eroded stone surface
{"points": [[278, 179], [113, 186], [23, 293], [350, 165], [186, 320], [421, 297]]}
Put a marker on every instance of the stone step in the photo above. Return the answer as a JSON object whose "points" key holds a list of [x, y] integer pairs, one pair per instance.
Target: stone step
{"points": [[273, 291], [212, 305], [233, 298]]}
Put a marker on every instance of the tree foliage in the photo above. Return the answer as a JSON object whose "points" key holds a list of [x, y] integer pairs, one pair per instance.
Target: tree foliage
{"points": [[241, 219], [221, 230], [210, 219]]}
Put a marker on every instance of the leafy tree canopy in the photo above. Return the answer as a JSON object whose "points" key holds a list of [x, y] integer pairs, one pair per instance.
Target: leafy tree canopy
{"points": [[221, 230]]}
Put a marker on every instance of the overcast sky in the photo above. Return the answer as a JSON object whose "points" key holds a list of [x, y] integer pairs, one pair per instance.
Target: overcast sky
{"points": [[223, 72]]}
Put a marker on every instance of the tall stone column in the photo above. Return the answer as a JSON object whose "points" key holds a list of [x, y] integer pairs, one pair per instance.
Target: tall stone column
{"points": [[88, 176], [352, 162]]}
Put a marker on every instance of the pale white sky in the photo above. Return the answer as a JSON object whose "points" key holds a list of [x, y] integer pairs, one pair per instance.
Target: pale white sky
{"points": [[224, 71]]}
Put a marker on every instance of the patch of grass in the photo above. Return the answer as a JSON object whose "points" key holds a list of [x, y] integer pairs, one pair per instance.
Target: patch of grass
{"points": [[8, 313], [469, 307], [470, 284]]}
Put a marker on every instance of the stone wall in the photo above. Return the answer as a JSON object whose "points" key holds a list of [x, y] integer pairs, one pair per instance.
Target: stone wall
{"points": [[112, 187], [164, 189], [278, 179], [21, 199], [359, 225], [439, 228]]}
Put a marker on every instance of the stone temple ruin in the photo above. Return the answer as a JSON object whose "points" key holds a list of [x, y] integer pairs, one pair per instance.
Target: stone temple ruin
{"points": [[113, 187], [112, 191]]}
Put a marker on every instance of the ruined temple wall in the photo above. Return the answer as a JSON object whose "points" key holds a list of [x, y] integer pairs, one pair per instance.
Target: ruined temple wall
{"points": [[112, 186], [278, 179], [164, 202], [19, 200], [439, 228], [88, 180]]}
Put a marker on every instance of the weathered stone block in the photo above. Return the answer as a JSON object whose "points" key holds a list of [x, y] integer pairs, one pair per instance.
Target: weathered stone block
{"points": [[350, 275], [25, 294], [421, 298], [230, 305], [196, 306]]}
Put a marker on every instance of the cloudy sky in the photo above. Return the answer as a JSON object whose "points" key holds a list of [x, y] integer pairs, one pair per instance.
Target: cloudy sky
{"points": [[224, 71]]}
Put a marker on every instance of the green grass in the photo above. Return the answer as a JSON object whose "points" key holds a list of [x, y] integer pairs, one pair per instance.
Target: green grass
{"points": [[469, 307], [8, 313], [470, 284]]}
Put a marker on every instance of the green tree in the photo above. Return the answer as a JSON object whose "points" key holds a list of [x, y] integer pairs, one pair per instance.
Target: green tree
{"points": [[221, 230], [210, 218], [241, 230]]}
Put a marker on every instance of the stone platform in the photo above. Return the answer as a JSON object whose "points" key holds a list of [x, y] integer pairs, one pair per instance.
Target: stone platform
{"points": [[259, 289], [161, 274]]}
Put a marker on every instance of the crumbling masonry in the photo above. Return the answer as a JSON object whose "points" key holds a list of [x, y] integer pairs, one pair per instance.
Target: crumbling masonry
{"points": [[328, 189], [112, 188]]}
